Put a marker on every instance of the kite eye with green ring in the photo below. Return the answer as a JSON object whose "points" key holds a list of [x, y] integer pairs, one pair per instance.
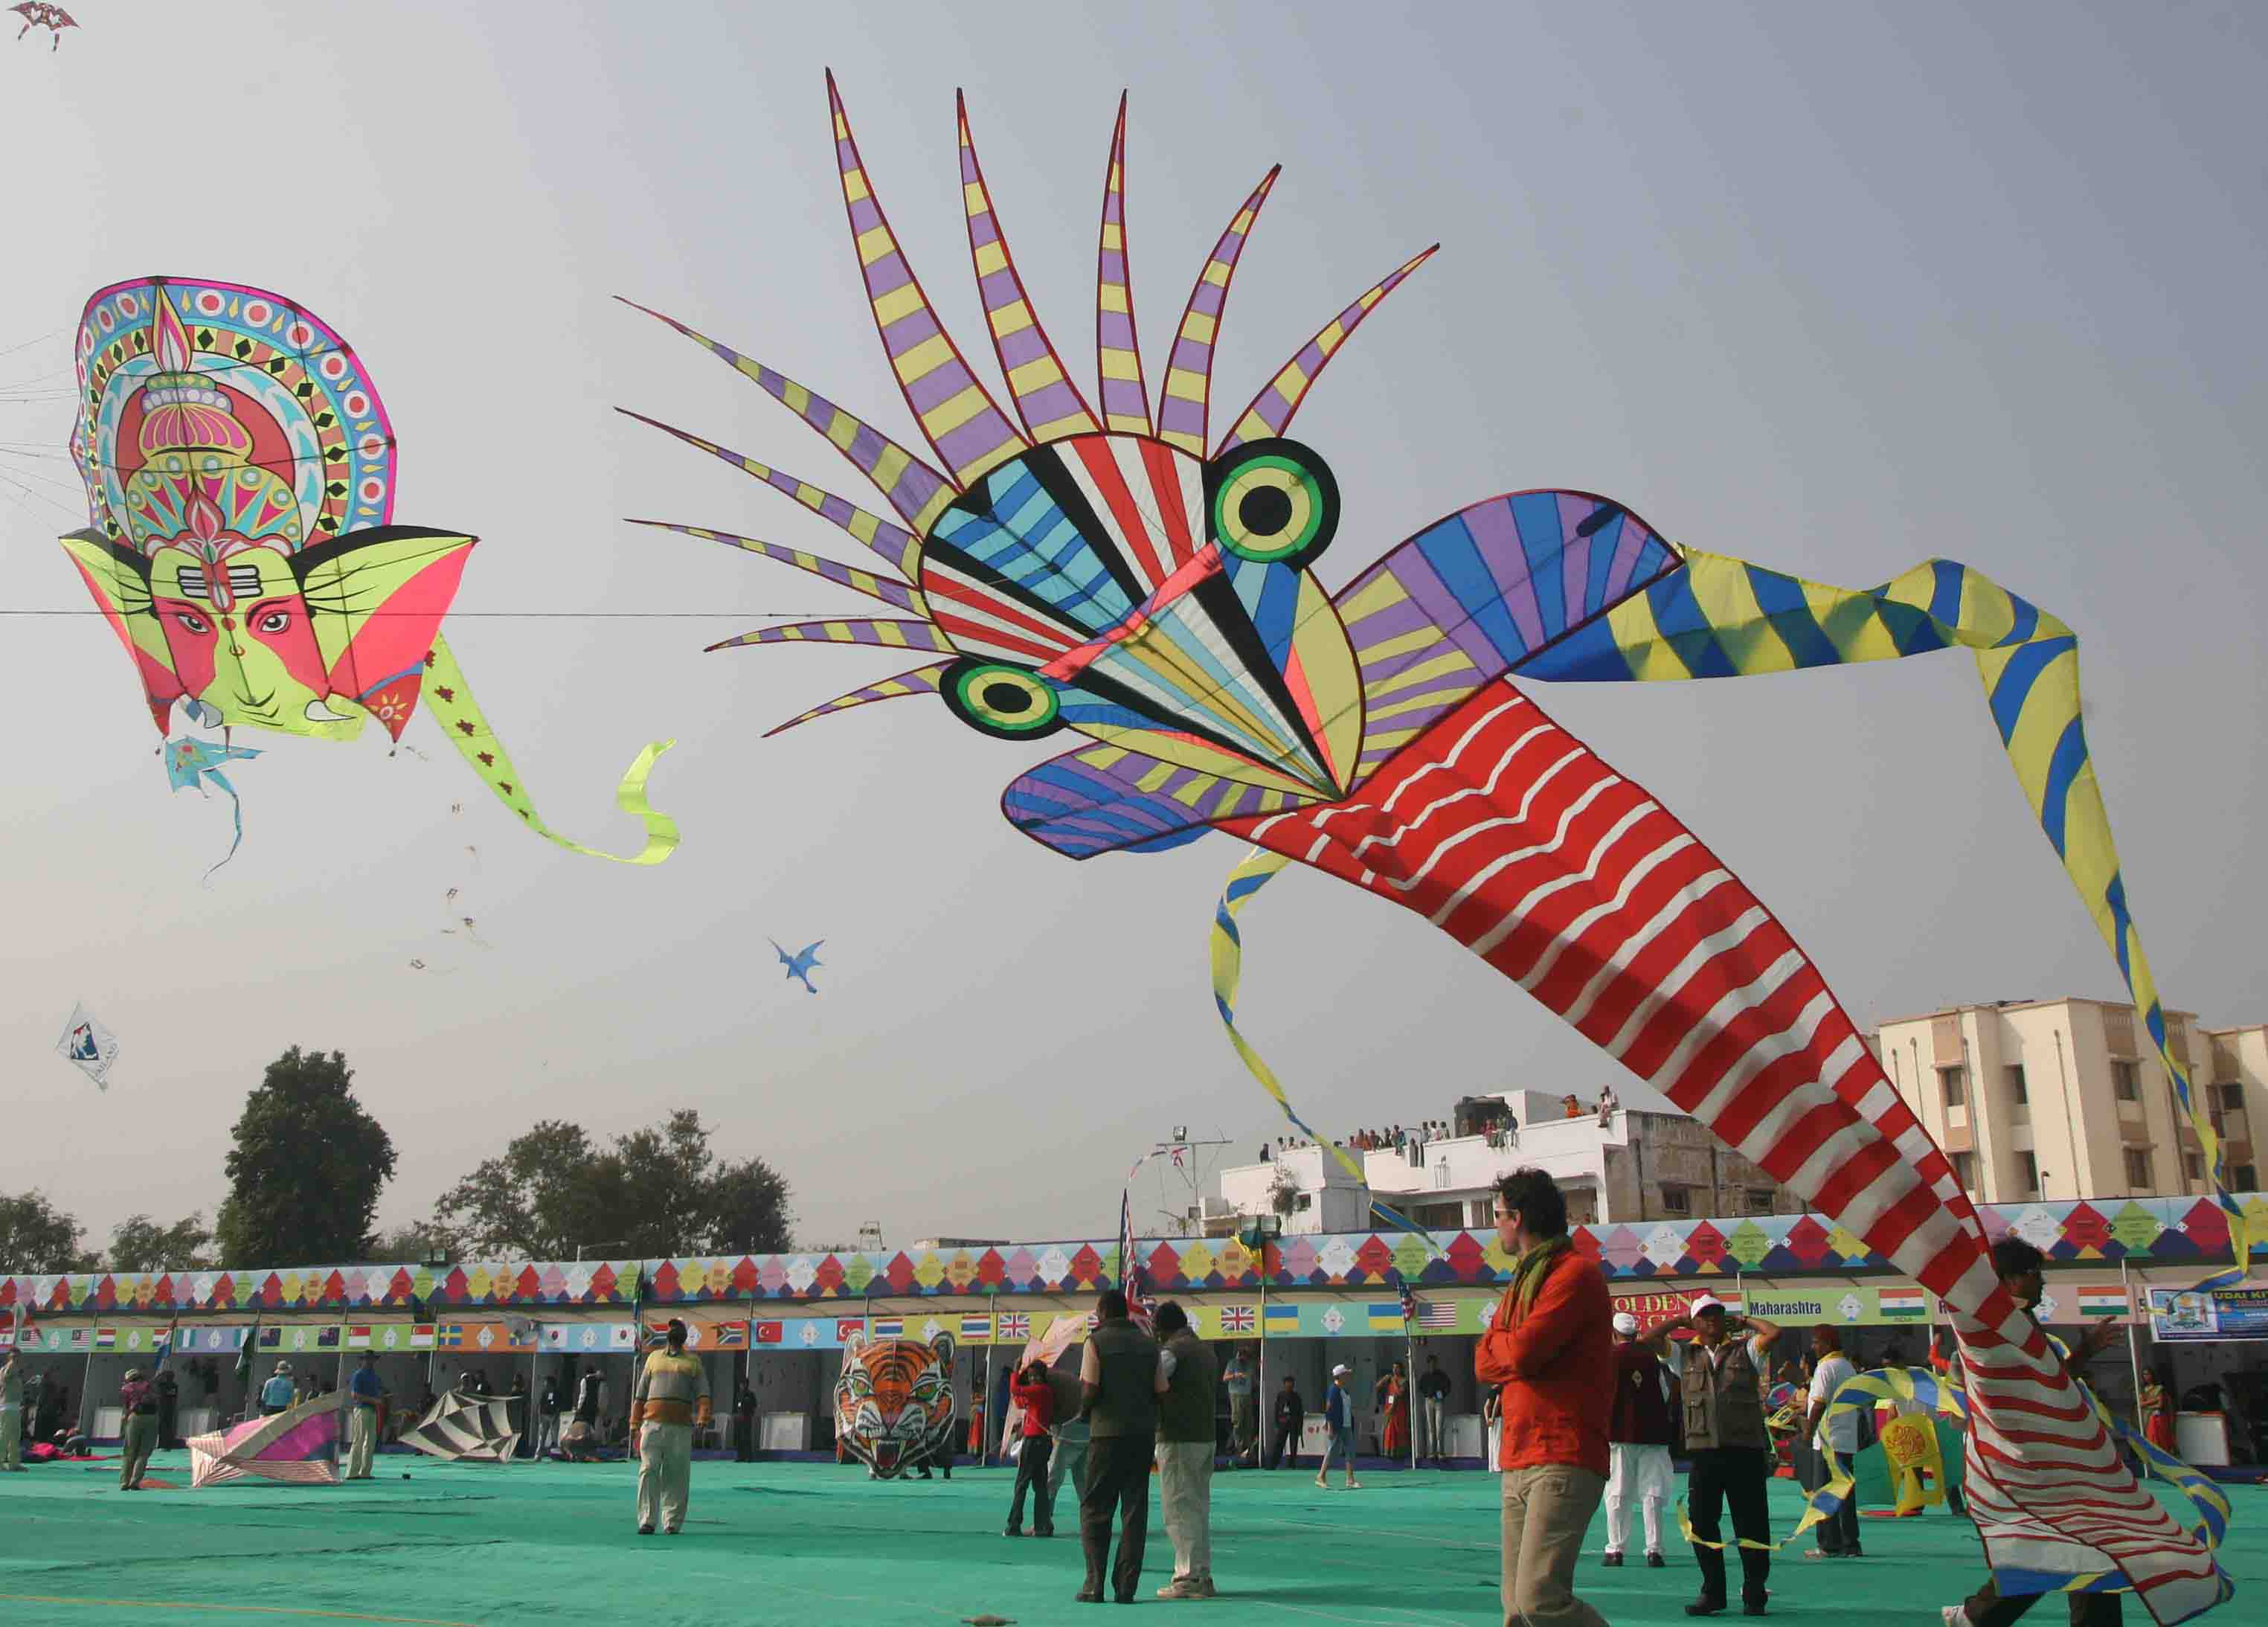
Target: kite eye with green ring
{"points": [[1272, 502], [992, 697]]}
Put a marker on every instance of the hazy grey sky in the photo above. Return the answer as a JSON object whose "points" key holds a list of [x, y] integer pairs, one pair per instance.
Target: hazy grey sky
{"points": [[1831, 288]]}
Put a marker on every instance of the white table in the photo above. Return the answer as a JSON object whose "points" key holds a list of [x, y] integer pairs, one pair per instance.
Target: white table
{"points": [[784, 1432]]}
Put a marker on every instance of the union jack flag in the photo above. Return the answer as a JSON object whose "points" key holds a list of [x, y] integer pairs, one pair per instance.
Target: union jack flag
{"points": [[1236, 1319], [1014, 1325]]}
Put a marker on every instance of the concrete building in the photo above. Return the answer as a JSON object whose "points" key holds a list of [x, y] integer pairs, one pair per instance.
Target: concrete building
{"points": [[2066, 1099], [1625, 1165]]}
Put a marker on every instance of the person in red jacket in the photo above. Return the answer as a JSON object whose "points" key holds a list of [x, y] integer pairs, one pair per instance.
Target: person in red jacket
{"points": [[1549, 1354], [1037, 1398]]}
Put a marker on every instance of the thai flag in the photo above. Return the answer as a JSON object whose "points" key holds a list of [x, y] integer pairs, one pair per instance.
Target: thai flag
{"points": [[975, 1328], [889, 1327]]}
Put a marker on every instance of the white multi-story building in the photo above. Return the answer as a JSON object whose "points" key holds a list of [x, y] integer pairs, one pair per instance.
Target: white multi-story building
{"points": [[2068, 1098], [1623, 1166]]}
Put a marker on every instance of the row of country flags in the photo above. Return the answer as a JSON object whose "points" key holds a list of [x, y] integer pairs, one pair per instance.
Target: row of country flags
{"points": [[1279, 1318]]}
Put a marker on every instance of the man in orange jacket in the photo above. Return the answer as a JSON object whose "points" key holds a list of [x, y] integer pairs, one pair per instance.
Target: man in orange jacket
{"points": [[1549, 1353]]}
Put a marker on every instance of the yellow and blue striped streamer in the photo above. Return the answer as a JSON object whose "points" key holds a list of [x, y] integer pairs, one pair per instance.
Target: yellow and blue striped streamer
{"points": [[1725, 618]]}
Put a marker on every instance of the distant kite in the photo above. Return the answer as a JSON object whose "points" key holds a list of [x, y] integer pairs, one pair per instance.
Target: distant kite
{"points": [[190, 761], [88, 1046], [799, 964], [54, 19]]}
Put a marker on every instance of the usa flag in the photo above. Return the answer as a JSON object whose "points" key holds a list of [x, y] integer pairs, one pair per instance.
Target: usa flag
{"points": [[1438, 1314], [1409, 1304]]}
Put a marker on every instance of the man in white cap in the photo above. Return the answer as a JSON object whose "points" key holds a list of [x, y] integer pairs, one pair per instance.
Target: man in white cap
{"points": [[1730, 1450], [1339, 1412], [1640, 1439]]}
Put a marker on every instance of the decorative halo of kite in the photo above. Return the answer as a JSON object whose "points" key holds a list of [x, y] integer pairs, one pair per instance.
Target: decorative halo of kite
{"points": [[1136, 579], [466, 1428], [893, 1401], [241, 473], [299, 1446], [37, 14], [88, 1046]]}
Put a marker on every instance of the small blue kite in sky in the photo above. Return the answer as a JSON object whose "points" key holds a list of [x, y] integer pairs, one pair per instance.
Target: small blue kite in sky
{"points": [[799, 964]]}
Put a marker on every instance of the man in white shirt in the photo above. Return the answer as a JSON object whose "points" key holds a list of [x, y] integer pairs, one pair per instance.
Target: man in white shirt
{"points": [[1834, 1442]]}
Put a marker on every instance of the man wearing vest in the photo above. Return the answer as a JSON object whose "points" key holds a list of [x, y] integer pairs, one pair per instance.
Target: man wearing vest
{"points": [[1549, 1357], [363, 1392], [1185, 1451], [669, 1400], [1644, 1430], [1722, 1391], [1120, 1379]]}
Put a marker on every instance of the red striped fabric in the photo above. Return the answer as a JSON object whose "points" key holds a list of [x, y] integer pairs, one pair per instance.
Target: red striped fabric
{"points": [[1509, 834]]}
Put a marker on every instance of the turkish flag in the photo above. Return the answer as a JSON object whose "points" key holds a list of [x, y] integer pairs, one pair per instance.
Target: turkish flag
{"points": [[771, 1332]]}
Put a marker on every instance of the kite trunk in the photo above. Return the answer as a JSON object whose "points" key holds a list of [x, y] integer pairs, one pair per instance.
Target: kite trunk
{"points": [[1511, 836]]}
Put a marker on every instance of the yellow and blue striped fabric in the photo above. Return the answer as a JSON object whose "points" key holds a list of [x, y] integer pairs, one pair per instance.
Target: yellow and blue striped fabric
{"points": [[1725, 618]]}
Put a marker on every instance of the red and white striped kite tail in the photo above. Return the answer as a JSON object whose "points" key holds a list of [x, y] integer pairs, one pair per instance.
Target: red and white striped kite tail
{"points": [[2050, 1491], [1512, 835]]}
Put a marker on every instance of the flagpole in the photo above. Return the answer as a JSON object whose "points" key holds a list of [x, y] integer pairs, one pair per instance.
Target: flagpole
{"points": [[992, 1344], [1262, 1406], [2133, 1345]]}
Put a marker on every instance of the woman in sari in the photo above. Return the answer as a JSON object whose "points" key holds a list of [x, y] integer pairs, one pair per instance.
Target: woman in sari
{"points": [[1393, 1393], [2157, 1416]]}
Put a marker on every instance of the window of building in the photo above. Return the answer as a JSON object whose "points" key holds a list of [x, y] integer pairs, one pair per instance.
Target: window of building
{"points": [[2244, 1178], [2138, 1170], [1760, 1200], [1676, 1200], [2193, 1165], [2229, 1098], [1955, 1081], [1304, 1201], [2015, 1077], [2126, 1080], [2028, 1171], [1964, 1170]]}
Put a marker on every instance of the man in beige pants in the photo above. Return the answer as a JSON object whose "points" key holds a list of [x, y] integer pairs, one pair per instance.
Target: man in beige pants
{"points": [[670, 1398], [1188, 1379], [1550, 1355], [363, 1392], [12, 1416]]}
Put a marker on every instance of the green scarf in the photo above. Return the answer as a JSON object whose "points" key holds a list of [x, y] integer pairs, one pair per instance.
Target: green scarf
{"points": [[1529, 1271]]}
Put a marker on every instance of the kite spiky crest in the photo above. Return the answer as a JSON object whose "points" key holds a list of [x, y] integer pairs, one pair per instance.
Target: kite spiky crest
{"points": [[1271, 411], [956, 414], [1117, 347], [1181, 410], [1046, 400]]}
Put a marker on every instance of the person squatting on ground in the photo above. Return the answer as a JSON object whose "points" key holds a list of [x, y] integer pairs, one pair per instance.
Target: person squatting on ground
{"points": [[2018, 1265], [1549, 1357], [363, 1395], [1037, 1397], [1434, 1391], [1291, 1416], [1339, 1412], [137, 1403], [1730, 1450], [1192, 1381], [1640, 1439], [12, 1416], [1120, 1379], [1834, 1445], [670, 1400]]}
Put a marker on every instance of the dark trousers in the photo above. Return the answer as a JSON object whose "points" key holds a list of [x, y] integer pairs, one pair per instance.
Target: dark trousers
{"points": [[1032, 1472], [1286, 1440], [1987, 1608], [744, 1437], [1117, 1482], [1839, 1532], [1732, 1477]]}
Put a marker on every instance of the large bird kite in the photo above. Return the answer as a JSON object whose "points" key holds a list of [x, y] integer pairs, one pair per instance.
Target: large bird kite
{"points": [[799, 964], [1143, 577], [38, 14]]}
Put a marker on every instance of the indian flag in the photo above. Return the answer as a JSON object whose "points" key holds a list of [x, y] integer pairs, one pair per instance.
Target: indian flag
{"points": [[2102, 1302], [1902, 1304]]}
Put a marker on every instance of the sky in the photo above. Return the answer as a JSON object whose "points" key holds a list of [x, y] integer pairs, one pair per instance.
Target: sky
{"points": [[1833, 289]]}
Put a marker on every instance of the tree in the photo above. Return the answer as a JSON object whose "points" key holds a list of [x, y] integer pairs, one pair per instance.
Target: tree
{"points": [[308, 1164], [36, 1238], [138, 1243], [656, 1192], [409, 1243]]}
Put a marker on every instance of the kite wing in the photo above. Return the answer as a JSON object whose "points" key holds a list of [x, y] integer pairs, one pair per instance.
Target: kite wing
{"points": [[462, 1428], [88, 1046], [299, 1446]]}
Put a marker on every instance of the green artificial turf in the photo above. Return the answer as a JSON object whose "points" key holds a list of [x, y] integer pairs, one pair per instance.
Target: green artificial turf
{"points": [[556, 1543]]}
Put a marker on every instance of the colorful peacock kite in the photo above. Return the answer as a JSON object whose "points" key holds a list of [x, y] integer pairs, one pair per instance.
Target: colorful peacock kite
{"points": [[1127, 575]]}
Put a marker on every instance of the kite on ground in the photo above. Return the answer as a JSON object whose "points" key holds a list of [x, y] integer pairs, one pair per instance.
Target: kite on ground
{"points": [[54, 19], [299, 1445], [241, 473], [468, 1428], [799, 964], [893, 1401], [1134, 580], [88, 1046]]}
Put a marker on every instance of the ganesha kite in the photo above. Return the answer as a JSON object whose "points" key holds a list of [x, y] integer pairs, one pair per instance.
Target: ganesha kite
{"points": [[1117, 569], [241, 473]]}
